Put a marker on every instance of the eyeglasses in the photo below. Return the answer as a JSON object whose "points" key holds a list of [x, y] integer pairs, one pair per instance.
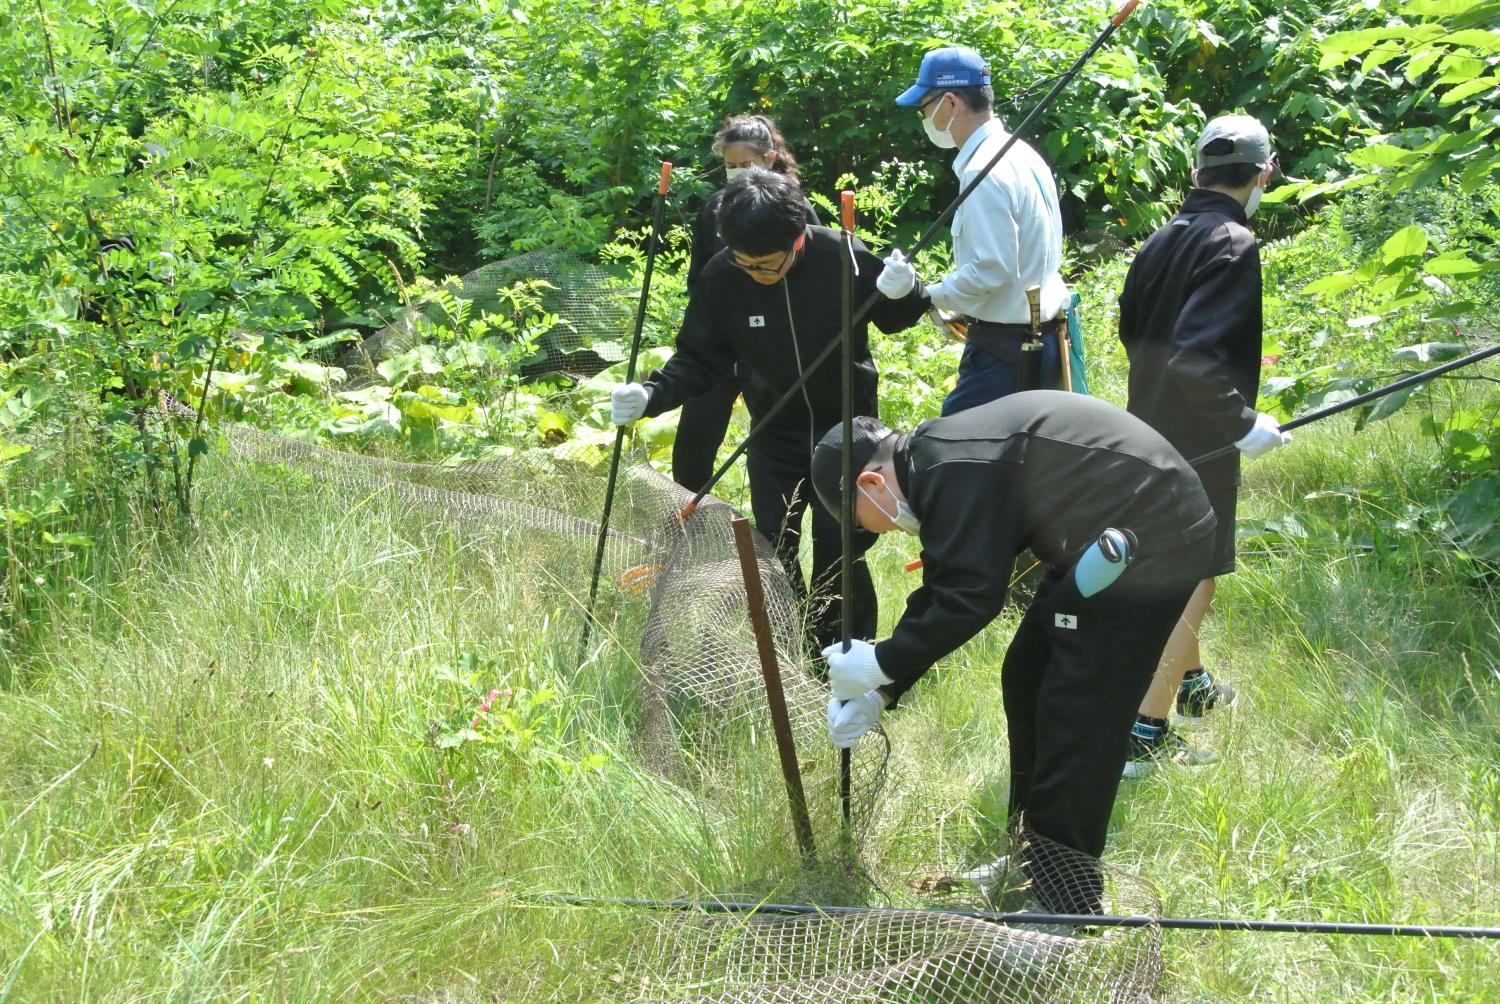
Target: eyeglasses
{"points": [[922, 105], [772, 273]]}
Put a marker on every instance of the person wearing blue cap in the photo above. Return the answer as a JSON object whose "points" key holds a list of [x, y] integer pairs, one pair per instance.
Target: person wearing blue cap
{"points": [[1007, 236]]}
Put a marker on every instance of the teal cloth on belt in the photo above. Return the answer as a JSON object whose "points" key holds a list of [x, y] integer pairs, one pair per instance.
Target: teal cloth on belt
{"points": [[1075, 347]]}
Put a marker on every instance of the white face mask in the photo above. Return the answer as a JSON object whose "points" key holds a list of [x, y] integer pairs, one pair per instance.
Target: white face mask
{"points": [[941, 138], [734, 172], [1253, 203], [906, 521]]}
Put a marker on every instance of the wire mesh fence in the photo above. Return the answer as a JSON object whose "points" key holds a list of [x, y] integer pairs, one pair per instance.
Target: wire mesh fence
{"points": [[678, 601], [577, 314]]}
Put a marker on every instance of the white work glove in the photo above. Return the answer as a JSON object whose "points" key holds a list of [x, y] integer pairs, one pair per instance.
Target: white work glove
{"points": [[627, 402], [854, 672], [1264, 436], [897, 278], [848, 720]]}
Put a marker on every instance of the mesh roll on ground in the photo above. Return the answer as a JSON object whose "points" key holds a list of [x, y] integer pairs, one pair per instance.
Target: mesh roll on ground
{"points": [[677, 589]]}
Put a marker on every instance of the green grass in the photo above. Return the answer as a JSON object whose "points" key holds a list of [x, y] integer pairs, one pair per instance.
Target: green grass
{"points": [[222, 775], [220, 781]]}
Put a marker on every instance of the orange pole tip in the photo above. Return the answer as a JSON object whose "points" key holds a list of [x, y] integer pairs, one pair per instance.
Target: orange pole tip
{"points": [[846, 204], [666, 174], [1126, 11], [914, 565], [687, 512]]}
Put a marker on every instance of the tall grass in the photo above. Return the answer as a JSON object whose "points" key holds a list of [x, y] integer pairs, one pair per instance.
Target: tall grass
{"points": [[226, 770]]}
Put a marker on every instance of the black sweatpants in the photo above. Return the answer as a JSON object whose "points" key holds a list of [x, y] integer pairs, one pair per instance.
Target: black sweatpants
{"points": [[780, 494], [1073, 678], [701, 426]]}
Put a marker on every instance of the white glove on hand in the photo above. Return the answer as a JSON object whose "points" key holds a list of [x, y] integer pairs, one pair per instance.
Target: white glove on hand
{"points": [[848, 720], [897, 278], [852, 673], [1264, 436], [627, 402]]}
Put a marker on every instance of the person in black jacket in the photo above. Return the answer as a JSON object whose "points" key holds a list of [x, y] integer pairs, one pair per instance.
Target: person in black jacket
{"points": [[764, 307], [1190, 321], [744, 141], [1052, 472]]}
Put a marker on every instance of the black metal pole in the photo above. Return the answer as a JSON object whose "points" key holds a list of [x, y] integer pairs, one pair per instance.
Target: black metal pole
{"points": [[1365, 398], [1074, 919], [846, 498], [922, 242], [658, 210]]}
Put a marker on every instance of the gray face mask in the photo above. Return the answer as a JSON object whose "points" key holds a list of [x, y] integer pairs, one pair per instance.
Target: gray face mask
{"points": [[906, 521]]}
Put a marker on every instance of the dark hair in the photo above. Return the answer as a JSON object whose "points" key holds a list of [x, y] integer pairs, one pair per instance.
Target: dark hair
{"points": [[760, 134], [974, 99], [1227, 175], [761, 212]]}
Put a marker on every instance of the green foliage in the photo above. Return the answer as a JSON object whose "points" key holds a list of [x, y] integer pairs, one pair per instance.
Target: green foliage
{"points": [[179, 180], [522, 727]]}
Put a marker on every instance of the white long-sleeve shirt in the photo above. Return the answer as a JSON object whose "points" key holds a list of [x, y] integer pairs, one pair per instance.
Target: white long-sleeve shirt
{"points": [[1006, 236]]}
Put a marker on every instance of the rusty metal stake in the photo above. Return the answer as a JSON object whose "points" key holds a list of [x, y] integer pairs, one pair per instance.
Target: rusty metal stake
{"points": [[781, 725]]}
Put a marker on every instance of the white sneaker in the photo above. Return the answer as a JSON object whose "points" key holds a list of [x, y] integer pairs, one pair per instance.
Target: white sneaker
{"points": [[995, 877]]}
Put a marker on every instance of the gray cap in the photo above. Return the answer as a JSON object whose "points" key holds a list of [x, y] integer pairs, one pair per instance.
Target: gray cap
{"points": [[1236, 139]]}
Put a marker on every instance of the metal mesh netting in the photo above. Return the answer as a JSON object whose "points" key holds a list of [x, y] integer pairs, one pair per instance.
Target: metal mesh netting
{"points": [[578, 312], [887, 955], [680, 602], [701, 688], [700, 682]]}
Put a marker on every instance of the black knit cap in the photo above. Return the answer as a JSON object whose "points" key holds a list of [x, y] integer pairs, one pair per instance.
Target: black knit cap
{"points": [[828, 459]]}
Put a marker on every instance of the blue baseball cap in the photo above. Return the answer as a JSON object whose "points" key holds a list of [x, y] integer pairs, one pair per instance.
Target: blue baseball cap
{"points": [[953, 66]]}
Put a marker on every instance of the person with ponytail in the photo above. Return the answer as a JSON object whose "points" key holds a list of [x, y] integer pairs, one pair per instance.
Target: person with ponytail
{"points": [[745, 142]]}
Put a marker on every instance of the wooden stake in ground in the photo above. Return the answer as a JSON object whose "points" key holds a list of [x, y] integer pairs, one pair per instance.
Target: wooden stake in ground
{"points": [[781, 725]]}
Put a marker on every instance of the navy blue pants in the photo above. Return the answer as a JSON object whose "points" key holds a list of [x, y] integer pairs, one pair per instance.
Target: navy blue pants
{"points": [[986, 375]]}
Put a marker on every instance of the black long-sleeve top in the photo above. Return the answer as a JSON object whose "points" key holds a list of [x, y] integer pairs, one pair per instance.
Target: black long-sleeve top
{"points": [[768, 334], [1190, 321], [706, 240], [1044, 470]]}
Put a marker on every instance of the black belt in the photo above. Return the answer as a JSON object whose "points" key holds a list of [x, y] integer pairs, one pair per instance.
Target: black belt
{"points": [[996, 329], [1004, 339]]}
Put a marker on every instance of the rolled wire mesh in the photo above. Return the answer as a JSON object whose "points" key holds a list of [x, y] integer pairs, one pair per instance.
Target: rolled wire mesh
{"points": [[703, 698], [898, 955]]}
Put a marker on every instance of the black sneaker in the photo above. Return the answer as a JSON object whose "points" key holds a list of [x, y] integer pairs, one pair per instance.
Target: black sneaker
{"points": [[1167, 749], [1199, 694]]}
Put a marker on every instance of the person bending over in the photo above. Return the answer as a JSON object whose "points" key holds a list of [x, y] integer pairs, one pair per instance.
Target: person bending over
{"points": [[1055, 472]]}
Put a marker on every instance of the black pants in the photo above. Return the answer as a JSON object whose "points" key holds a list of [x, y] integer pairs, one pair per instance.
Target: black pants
{"points": [[700, 432], [780, 493], [1073, 678]]}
